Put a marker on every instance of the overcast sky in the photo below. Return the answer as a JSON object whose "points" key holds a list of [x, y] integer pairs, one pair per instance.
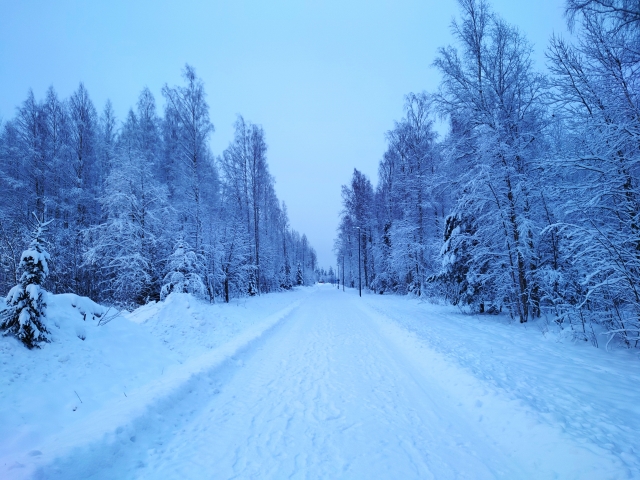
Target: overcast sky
{"points": [[326, 79]]}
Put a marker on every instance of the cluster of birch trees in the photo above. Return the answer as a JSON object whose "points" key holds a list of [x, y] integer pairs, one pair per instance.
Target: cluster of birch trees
{"points": [[531, 202], [140, 207]]}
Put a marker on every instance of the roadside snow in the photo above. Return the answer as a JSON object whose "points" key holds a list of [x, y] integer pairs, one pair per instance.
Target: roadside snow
{"points": [[92, 380], [592, 394]]}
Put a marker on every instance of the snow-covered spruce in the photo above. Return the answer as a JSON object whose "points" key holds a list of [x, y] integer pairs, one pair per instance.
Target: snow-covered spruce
{"points": [[285, 277], [299, 275], [184, 273], [26, 306]]}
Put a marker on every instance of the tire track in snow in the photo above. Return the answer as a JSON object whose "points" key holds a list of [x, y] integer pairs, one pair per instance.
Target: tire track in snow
{"points": [[323, 398]]}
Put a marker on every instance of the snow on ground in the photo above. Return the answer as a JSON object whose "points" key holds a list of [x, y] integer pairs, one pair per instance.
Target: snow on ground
{"points": [[91, 379], [592, 394], [314, 384]]}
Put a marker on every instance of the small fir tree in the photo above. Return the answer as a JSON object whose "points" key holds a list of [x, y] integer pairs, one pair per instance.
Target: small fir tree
{"points": [[26, 306], [252, 288], [285, 276], [299, 276], [184, 273]]}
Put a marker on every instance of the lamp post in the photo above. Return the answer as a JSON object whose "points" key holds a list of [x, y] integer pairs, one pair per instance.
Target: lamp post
{"points": [[359, 274], [343, 272]]}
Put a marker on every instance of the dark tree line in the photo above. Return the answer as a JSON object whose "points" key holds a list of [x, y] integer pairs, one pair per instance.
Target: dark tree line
{"points": [[139, 207], [531, 202]]}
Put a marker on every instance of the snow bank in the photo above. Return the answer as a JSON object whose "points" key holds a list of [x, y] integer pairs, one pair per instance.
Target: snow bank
{"points": [[103, 369]]}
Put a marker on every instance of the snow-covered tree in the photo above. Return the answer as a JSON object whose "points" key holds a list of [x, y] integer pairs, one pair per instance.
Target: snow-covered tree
{"points": [[245, 171], [188, 127], [357, 227], [285, 276], [596, 88], [125, 245], [26, 304], [408, 206], [299, 275], [184, 272], [493, 95]]}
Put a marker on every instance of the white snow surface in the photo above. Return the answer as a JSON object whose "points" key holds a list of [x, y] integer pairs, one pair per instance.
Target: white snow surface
{"points": [[315, 383]]}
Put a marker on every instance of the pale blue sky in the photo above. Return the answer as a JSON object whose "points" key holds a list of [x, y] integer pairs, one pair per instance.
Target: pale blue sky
{"points": [[326, 79]]}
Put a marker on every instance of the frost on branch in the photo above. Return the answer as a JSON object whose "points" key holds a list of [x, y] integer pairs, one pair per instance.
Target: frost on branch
{"points": [[26, 307]]}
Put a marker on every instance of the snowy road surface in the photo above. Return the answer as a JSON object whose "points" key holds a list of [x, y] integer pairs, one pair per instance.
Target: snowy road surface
{"points": [[338, 390]]}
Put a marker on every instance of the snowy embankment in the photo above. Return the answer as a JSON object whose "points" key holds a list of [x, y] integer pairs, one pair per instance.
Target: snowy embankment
{"points": [[591, 394], [92, 380]]}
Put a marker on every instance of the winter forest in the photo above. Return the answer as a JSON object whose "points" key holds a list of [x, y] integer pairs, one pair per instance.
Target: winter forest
{"points": [[472, 312], [130, 210], [530, 203]]}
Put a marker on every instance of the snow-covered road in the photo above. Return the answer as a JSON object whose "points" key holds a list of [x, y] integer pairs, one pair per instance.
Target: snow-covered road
{"points": [[338, 390]]}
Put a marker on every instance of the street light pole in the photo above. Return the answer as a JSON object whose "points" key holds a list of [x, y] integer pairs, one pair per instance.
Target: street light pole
{"points": [[343, 272], [359, 274]]}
